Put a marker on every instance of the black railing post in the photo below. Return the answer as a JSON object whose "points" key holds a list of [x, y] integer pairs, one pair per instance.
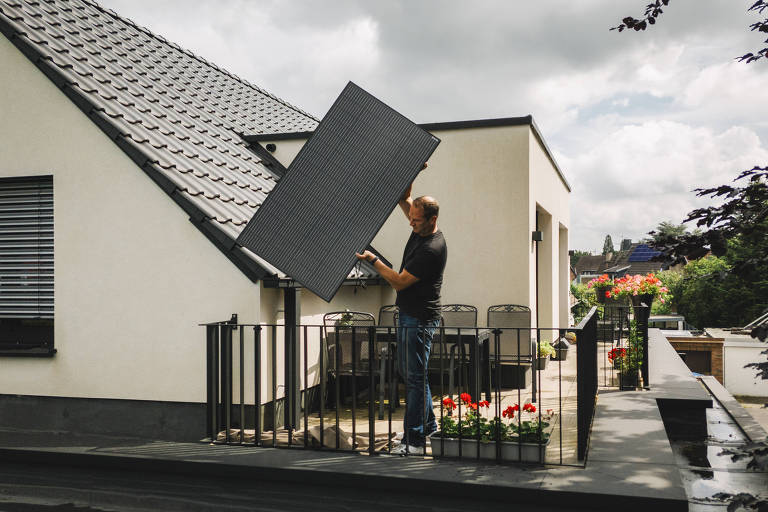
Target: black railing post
{"points": [[212, 391], [586, 385], [371, 390], [642, 327], [257, 384], [226, 377]]}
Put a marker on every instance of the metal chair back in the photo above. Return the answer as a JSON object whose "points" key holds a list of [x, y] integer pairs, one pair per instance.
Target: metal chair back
{"points": [[515, 340], [347, 334], [388, 315], [459, 315]]}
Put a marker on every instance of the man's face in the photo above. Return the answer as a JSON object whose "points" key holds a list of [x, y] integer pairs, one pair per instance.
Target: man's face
{"points": [[420, 225]]}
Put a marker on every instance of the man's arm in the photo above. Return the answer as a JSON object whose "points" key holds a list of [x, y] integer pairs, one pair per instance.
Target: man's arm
{"points": [[406, 201], [399, 281]]}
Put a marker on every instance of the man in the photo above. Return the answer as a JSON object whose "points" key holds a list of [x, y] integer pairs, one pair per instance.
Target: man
{"points": [[418, 298]]}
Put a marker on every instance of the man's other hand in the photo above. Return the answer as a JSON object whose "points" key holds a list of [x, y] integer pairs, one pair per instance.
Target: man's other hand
{"points": [[367, 256]]}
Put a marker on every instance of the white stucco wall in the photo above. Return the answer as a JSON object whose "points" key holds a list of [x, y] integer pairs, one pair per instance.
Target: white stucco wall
{"points": [[550, 197], [133, 277], [479, 176], [740, 380]]}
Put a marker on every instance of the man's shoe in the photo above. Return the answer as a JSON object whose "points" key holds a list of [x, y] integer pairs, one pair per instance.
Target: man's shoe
{"points": [[403, 449]]}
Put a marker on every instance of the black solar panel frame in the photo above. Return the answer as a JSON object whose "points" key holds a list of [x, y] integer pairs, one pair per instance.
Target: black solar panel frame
{"points": [[338, 191]]}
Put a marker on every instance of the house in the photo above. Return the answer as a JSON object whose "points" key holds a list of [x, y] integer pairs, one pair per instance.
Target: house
{"points": [[134, 165], [638, 258]]}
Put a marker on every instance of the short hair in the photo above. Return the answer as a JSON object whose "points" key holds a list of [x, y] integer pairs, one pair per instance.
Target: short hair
{"points": [[429, 205]]}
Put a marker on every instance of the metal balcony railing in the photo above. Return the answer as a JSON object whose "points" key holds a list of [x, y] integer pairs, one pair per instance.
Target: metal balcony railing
{"points": [[337, 388]]}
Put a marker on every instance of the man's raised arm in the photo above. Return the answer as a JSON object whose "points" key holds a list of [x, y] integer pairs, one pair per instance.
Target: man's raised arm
{"points": [[406, 201]]}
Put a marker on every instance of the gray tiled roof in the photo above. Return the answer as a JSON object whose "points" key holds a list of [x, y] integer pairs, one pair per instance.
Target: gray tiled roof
{"points": [[179, 117]]}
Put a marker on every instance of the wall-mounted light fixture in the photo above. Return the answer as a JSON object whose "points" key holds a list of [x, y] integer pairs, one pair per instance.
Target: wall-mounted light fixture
{"points": [[271, 147], [537, 236]]}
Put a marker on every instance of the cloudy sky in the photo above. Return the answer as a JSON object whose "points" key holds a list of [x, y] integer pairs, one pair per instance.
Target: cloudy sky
{"points": [[636, 120]]}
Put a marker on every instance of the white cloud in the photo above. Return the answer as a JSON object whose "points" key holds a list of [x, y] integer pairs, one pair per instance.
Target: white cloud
{"points": [[645, 117], [640, 175]]}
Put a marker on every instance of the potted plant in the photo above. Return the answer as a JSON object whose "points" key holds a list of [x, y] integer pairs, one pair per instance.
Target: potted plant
{"points": [[627, 361], [639, 289], [522, 435], [602, 286], [545, 351]]}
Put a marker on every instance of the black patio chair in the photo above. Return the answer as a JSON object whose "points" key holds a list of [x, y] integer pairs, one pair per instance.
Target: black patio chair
{"points": [[456, 320], [347, 335], [515, 351]]}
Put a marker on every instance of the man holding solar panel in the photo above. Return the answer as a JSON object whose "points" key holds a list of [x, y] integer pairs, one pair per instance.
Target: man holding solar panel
{"points": [[418, 286]]}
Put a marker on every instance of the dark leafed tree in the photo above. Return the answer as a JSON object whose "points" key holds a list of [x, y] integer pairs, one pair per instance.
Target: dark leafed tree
{"points": [[736, 229], [654, 9], [607, 245]]}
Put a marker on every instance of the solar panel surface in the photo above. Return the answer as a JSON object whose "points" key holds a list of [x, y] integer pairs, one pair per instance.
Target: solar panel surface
{"points": [[643, 253], [338, 191]]}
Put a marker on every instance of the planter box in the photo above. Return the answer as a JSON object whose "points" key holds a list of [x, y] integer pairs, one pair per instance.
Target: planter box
{"points": [[510, 451]]}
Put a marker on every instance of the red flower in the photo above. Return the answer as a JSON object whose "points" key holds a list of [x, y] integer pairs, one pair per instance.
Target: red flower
{"points": [[472, 406], [509, 412], [529, 407], [516, 407], [449, 403], [608, 293], [483, 403], [466, 398]]}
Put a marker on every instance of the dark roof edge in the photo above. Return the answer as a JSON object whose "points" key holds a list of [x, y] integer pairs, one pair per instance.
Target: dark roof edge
{"points": [[449, 125], [114, 14], [267, 158], [478, 123], [259, 137], [224, 242]]}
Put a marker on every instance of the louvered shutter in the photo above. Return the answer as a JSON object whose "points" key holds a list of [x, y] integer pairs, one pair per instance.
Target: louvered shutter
{"points": [[26, 247]]}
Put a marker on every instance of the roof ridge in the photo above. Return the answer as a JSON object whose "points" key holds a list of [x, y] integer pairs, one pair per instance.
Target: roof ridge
{"points": [[135, 25]]}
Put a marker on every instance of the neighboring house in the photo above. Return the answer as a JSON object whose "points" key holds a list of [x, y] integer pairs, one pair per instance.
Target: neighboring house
{"points": [[129, 168], [637, 259]]}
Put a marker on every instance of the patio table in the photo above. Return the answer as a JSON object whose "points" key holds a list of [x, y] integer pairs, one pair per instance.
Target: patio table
{"points": [[477, 340], [479, 356]]}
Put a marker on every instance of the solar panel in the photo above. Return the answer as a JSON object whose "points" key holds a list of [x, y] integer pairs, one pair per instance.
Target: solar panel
{"points": [[643, 253], [338, 191]]}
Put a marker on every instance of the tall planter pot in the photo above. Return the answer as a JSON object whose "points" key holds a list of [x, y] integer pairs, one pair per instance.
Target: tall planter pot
{"points": [[638, 301], [600, 293], [510, 451]]}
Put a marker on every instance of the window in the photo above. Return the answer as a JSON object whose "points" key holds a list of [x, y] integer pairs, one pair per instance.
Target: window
{"points": [[26, 266]]}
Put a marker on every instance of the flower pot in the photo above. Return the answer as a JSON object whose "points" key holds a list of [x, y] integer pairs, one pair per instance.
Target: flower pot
{"points": [[600, 293], [510, 450], [541, 363], [629, 380]]}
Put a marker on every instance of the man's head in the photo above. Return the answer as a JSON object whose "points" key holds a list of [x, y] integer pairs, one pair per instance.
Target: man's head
{"points": [[423, 215]]}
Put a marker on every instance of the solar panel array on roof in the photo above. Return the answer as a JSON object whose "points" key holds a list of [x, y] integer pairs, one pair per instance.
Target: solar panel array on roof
{"points": [[338, 191], [643, 253]]}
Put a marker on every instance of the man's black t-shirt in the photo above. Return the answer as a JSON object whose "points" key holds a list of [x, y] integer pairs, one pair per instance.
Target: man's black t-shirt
{"points": [[424, 257]]}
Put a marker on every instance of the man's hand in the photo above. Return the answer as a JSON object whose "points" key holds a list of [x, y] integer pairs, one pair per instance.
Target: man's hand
{"points": [[367, 255]]}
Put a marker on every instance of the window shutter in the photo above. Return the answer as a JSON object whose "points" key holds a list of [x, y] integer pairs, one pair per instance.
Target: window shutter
{"points": [[26, 247]]}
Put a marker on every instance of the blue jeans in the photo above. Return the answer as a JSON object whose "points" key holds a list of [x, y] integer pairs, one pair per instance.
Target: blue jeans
{"points": [[414, 342]]}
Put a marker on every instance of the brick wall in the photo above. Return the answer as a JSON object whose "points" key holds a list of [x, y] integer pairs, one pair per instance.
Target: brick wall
{"points": [[712, 345]]}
